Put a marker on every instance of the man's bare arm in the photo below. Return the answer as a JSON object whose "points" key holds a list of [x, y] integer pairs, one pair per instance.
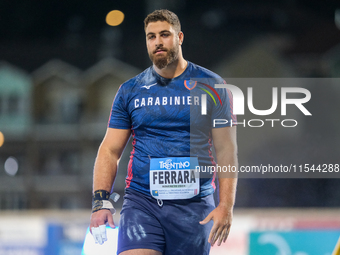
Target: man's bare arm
{"points": [[226, 153], [105, 170], [225, 145], [109, 153]]}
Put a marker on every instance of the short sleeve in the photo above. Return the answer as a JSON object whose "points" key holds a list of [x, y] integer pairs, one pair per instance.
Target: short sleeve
{"points": [[119, 116]]}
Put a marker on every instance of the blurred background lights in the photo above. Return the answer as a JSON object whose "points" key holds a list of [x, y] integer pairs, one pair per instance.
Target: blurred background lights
{"points": [[2, 139], [11, 166], [114, 18]]}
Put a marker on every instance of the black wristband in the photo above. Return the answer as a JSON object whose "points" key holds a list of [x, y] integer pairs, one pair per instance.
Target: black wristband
{"points": [[102, 200], [101, 195], [97, 205], [97, 199]]}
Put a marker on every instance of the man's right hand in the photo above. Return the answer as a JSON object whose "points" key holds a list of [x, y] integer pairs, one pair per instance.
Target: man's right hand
{"points": [[99, 220]]}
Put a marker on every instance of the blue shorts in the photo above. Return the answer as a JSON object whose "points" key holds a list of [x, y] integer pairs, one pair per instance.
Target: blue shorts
{"points": [[171, 229]]}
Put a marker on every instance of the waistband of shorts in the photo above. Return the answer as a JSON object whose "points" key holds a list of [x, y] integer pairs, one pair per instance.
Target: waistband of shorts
{"points": [[130, 191]]}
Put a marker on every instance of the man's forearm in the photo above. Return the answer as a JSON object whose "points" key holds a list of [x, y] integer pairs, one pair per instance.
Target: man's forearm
{"points": [[227, 192], [105, 170], [227, 181]]}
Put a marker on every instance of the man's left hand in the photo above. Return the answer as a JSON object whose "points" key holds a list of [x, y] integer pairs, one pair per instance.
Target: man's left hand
{"points": [[222, 216]]}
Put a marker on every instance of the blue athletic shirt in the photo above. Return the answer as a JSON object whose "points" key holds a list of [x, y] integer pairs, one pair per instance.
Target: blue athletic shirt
{"points": [[165, 118]]}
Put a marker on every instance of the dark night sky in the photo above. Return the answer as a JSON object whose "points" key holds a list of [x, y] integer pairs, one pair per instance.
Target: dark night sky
{"points": [[32, 32]]}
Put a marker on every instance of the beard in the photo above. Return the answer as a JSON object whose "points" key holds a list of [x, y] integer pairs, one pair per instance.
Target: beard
{"points": [[163, 61]]}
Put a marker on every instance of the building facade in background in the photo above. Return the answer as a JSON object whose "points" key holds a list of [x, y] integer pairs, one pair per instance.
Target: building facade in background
{"points": [[53, 121]]}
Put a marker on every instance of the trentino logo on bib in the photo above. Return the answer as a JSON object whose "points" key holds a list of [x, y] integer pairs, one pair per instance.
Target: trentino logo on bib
{"points": [[170, 165]]}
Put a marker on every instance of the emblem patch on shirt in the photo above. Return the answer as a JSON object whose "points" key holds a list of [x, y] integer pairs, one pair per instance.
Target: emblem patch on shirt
{"points": [[190, 84]]}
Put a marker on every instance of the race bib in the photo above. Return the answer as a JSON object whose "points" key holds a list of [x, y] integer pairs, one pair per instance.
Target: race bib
{"points": [[174, 178]]}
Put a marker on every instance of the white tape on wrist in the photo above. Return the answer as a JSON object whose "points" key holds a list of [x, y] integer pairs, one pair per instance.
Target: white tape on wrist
{"points": [[108, 204]]}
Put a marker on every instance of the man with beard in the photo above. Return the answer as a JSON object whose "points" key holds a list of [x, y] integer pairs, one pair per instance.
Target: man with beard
{"points": [[168, 207]]}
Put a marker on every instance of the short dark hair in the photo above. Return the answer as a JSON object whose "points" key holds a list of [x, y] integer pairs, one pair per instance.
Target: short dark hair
{"points": [[163, 15]]}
